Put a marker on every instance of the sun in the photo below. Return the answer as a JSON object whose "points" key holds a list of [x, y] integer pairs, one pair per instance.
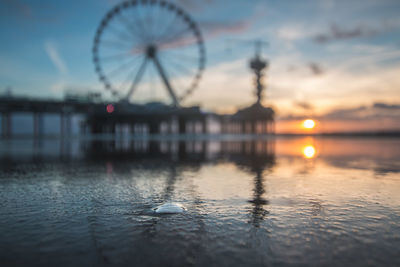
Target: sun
{"points": [[309, 152], [309, 124]]}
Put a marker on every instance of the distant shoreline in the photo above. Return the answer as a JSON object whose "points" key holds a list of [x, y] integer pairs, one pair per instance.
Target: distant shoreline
{"points": [[214, 136], [346, 134]]}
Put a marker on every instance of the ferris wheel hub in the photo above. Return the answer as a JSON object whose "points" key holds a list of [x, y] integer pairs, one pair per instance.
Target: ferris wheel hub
{"points": [[151, 51]]}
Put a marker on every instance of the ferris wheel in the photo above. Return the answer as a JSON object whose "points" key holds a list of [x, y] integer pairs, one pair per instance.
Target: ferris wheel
{"points": [[147, 47]]}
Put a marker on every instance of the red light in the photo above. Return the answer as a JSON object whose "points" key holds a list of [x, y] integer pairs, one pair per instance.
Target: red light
{"points": [[110, 108]]}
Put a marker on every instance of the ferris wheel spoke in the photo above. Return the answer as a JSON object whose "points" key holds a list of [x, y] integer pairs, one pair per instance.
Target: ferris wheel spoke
{"points": [[128, 24], [118, 62], [178, 39], [176, 74], [122, 35], [168, 27], [115, 44], [122, 68], [149, 20], [170, 33], [182, 58], [180, 81], [176, 80], [156, 22], [179, 55], [141, 22], [180, 75], [128, 79], [134, 30], [114, 57], [175, 26], [138, 25], [182, 50], [180, 66], [183, 69]]}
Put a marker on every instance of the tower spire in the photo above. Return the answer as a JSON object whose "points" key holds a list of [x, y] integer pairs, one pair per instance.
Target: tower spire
{"points": [[257, 64]]}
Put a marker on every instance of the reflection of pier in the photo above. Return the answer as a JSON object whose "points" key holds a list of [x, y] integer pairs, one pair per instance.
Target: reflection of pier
{"points": [[121, 156], [250, 155], [256, 157], [253, 156]]}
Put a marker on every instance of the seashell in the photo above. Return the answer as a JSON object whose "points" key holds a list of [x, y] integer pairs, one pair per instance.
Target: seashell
{"points": [[169, 208]]}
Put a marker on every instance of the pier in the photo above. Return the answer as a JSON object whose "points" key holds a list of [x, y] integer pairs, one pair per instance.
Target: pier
{"points": [[121, 118]]}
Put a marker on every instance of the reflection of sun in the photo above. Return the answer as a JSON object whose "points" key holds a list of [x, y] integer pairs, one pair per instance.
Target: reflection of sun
{"points": [[309, 124], [309, 152]]}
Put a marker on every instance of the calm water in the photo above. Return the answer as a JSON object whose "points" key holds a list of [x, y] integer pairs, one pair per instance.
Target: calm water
{"points": [[283, 201]]}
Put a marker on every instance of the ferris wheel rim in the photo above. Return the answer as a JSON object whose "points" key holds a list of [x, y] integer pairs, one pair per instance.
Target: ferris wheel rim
{"points": [[174, 9]]}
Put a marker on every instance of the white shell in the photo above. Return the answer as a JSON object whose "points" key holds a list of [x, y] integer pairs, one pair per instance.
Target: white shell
{"points": [[169, 208]]}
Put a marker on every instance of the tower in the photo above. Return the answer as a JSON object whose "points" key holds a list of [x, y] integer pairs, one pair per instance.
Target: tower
{"points": [[258, 65]]}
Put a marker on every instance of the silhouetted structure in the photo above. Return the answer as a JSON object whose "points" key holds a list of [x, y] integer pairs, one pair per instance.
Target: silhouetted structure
{"points": [[133, 119], [10, 105], [152, 118], [255, 119], [145, 46]]}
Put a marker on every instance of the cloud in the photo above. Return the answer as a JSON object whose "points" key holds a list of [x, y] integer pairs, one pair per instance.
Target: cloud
{"points": [[353, 79], [363, 118], [213, 29], [55, 57], [316, 68], [369, 118], [338, 33], [303, 105], [291, 33], [225, 88], [347, 114], [386, 106], [378, 110], [288, 35], [210, 29]]}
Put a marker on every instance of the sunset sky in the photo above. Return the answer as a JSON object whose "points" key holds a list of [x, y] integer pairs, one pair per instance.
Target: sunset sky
{"points": [[335, 61]]}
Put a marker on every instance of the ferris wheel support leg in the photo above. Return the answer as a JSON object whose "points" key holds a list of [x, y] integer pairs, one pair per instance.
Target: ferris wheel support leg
{"points": [[166, 82], [137, 79]]}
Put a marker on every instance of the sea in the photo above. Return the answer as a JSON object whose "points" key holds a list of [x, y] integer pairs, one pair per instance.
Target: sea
{"points": [[247, 201]]}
